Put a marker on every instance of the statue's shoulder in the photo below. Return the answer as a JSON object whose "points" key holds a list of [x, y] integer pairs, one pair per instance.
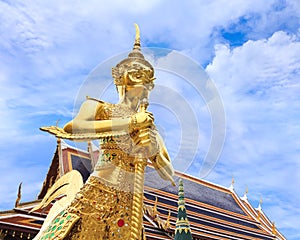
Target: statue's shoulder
{"points": [[101, 109], [89, 107]]}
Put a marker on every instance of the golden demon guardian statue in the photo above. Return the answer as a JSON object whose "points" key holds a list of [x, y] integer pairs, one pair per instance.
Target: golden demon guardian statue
{"points": [[110, 204]]}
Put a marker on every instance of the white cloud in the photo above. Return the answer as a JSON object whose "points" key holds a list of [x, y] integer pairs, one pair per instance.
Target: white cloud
{"points": [[259, 83]]}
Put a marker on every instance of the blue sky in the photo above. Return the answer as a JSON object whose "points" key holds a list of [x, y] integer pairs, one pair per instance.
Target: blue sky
{"points": [[250, 49]]}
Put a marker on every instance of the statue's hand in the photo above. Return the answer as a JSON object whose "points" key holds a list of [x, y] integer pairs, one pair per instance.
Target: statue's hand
{"points": [[141, 120], [145, 142]]}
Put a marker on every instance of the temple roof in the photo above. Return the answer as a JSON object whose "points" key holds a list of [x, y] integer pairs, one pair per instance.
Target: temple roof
{"points": [[213, 211], [197, 190]]}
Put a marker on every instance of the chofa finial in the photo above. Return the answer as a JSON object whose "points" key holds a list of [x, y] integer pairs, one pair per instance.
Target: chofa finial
{"points": [[259, 204], [245, 194], [17, 203], [231, 187]]}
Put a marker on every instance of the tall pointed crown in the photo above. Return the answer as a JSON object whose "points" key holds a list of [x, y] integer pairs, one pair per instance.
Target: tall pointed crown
{"points": [[182, 231], [134, 62]]}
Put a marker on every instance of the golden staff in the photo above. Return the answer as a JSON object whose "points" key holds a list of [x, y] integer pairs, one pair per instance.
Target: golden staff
{"points": [[140, 163]]}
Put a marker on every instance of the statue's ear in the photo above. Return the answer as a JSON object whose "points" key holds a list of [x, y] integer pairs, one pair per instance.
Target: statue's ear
{"points": [[114, 72]]}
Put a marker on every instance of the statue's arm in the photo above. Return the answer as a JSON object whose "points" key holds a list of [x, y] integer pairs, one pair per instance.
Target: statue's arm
{"points": [[85, 120], [162, 162]]}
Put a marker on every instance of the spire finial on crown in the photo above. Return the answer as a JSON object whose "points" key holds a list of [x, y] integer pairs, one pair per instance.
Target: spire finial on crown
{"points": [[136, 50], [133, 63], [137, 40]]}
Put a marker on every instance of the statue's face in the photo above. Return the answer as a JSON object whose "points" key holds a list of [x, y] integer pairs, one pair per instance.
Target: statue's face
{"points": [[135, 78], [142, 76]]}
